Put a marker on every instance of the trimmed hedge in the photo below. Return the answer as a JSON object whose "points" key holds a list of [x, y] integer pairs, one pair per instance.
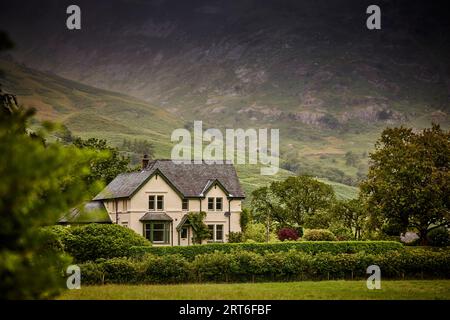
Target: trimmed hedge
{"points": [[95, 241], [273, 266], [312, 247], [319, 235]]}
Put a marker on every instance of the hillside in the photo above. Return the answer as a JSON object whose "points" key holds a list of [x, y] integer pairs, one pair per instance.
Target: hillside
{"points": [[88, 111], [309, 68], [92, 112]]}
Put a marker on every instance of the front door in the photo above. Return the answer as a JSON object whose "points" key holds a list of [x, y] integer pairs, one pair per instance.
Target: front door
{"points": [[185, 234]]}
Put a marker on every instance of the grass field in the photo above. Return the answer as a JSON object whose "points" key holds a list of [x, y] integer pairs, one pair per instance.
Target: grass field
{"points": [[306, 290]]}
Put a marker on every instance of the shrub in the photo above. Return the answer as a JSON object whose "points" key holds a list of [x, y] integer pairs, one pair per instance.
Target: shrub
{"points": [[287, 234], [93, 241], [342, 233], [92, 273], [319, 235], [120, 270], [214, 266], [247, 264], [235, 237], [240, 265], [335, 247], [55, 237], [439, 237], [166, 269], [256, 232]]}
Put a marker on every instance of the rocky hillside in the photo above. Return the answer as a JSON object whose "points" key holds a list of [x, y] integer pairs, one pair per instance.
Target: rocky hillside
{"points": [[310, 68]]}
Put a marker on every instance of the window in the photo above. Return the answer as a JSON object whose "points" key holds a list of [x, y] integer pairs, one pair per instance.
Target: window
{"points": [[184, 233], [151, 203], [157, 232], [156, 203], [210, 204], [125, 224], [185, 205], [219, 204], [211, 232], [219, 232], [160, 203], [216, 232]]}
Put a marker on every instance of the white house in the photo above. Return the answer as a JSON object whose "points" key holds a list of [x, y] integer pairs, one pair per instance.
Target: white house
{"points": [[154, 201]]}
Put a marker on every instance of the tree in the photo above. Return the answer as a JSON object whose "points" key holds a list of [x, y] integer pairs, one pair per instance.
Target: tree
{"points": [[245, 218], [351, 159], [302, 196], [292, 201], [266, 209], [109, 163], [408, 184], [38, 183], [350, 214]]}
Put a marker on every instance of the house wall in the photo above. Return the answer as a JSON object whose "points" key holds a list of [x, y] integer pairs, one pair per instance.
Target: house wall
{"points": [[132, 210]]}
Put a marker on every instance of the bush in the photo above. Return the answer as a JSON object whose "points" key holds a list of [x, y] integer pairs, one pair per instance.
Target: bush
{"points": [[235, 237], [439, 237], [55, 237], [214, 266], [166, 269], [120, 270], [319, 235], [92, 273], [342, 233], [335, 247], [94, 241], [287, 234], [256, 232], [240, 265]]}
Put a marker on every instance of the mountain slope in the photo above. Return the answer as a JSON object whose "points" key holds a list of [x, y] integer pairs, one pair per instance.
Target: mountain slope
{"points": [[309, 68], [92, 112], [88, 111]]}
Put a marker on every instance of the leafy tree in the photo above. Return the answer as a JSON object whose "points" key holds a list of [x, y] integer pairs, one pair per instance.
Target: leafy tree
{"points": [[257, 232], [350, 214], [291, 202], [351, 159], [408, 184], [140, 147], [104, 168], [245, 219], [38, 183], [302, 196], [64, 135], [266, 209]]}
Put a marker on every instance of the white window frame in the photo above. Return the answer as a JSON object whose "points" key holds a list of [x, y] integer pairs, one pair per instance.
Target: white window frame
{"points": [[214, 233]]}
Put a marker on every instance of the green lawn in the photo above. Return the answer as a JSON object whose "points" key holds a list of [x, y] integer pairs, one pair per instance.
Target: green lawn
{"points": [[336, 290]]}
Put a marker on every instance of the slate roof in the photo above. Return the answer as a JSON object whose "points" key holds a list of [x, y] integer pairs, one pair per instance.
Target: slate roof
{"points": [[91, 212], [189, 179], [156, 216]]}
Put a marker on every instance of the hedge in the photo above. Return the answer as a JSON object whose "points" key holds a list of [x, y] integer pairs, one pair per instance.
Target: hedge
{"points": [[312, 247], [94, 241], [273, 266]]}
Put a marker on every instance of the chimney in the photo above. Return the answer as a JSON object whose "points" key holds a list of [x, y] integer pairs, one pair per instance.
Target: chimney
{"points": [[145, 161]]}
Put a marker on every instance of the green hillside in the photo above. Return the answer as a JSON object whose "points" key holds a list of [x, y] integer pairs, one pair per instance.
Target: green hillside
{"points": [[92, 112], [88, 111]]}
